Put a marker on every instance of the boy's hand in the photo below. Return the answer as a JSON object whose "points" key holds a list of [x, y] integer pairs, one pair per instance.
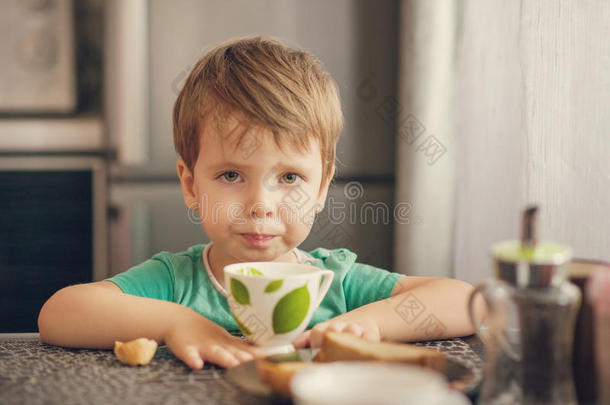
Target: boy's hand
{"points": [[363, 327], [195, 340]]}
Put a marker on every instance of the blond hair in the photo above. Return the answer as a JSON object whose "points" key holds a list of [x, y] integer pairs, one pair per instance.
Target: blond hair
{"points": [[266, 84]]}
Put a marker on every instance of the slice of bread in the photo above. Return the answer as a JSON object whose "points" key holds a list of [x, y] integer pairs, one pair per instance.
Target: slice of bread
{"points": [[347, 347], [277, 376]]}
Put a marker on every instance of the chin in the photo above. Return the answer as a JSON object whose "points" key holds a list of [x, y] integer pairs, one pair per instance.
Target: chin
{"points": [[256, 255]]}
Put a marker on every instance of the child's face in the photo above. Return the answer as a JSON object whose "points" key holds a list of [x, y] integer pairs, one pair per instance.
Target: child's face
{"points": [[256, 202]]}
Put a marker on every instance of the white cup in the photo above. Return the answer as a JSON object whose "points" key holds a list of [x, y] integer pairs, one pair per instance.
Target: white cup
{"points": [[273, 302]]}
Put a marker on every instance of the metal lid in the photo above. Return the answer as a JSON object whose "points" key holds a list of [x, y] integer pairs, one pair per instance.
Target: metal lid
{"points": [[512, 251], [541, 266], [526, 263]]}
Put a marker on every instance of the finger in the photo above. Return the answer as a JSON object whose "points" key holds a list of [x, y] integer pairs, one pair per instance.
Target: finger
{"points": [[243, 345], [241, 355], [317, 334], [337, 327], [189, 355], [372, 336], [302, 340], [354, 329], [256, 352], [220, 356], [319, 330]]}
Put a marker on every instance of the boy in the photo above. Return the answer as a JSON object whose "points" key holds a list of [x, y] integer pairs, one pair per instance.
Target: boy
{"points": [[256, 127]]}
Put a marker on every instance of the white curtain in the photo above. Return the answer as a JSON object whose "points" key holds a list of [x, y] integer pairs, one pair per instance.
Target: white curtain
{"points": [[518, 94], [425, 163]]}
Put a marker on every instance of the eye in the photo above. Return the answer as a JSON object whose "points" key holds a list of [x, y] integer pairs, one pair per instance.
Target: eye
{"points": [[290, 178], [230, 177]]}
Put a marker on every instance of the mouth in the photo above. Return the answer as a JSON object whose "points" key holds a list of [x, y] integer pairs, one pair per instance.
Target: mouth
{"points": [[257, 239]]}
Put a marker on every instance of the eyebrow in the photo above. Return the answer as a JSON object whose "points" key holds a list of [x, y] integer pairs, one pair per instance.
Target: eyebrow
{"points": [[247, 166], [229, 164]]}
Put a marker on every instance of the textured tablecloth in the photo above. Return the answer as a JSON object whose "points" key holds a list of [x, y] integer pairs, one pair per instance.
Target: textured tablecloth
{"points": [[32, 372]]}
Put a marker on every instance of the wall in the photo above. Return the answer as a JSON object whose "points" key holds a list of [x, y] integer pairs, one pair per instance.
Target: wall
{"points": [[356, 42]]}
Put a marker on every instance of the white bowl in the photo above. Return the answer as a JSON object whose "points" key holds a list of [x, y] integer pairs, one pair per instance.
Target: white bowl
{"points": [[360, 383]]}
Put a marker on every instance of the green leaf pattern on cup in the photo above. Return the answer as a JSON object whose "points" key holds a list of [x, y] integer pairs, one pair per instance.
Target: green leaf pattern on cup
{"points": [[243, 328], [274, 286], [240, 292], [291, 310], [251, 271]]}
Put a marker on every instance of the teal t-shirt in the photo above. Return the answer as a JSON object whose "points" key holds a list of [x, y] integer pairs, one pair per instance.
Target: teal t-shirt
{"points": [[183, 279]]}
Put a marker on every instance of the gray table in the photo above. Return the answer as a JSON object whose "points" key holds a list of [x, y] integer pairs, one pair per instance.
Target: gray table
{"points": [[32, 372]]}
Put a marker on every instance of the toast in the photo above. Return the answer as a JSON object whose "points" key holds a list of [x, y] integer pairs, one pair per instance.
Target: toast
{"points": [[277, 376], [347, 347]]}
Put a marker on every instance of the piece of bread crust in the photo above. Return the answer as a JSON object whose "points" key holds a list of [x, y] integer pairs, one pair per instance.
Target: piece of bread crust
{"points": [[347, 347], [277, 376], [135, 352]]}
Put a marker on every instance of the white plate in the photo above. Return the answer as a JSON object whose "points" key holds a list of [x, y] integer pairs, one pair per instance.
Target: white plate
{"points": [[245, 376]]}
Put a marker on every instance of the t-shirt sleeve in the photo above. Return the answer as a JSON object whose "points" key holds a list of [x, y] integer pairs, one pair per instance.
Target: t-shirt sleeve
{"points": [[151, 279], [364, 284]]}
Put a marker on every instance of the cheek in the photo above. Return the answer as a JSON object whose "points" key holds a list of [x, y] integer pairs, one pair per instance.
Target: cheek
{"points": [[298, 214], [216, 213], [296, 232], [302, 198]]}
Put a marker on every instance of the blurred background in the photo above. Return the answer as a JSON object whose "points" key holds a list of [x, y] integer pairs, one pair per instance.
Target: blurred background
{"points": [[458, 113]]}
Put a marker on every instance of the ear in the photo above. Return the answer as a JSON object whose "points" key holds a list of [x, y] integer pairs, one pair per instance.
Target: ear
{"points": [[324, 186], [187, 183]]}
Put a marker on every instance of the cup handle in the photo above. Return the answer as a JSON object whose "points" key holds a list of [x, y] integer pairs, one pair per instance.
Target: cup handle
{"points": [[482, 334], [327, 276]]}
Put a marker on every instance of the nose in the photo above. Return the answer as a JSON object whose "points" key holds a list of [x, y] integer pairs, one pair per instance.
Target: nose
{"points": [[261, 202]]}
